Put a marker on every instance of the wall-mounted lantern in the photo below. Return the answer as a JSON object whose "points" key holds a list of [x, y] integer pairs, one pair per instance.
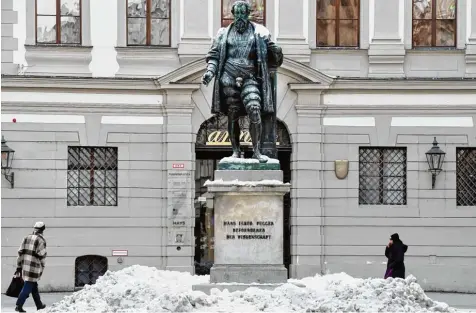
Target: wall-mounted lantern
{"points": [[435, 158], [7, 158]]}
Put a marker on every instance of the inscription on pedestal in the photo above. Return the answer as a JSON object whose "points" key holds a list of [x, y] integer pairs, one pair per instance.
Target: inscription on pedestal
{"points": [[249, 230], [245, 230]]}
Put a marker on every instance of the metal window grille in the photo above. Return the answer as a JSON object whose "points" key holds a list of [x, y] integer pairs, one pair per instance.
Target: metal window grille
{"points": [[92, 176], [88, 268], [383, 176], [466, 176]]}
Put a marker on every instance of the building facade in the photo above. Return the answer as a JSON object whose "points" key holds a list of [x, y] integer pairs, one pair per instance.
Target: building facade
{"points": [[115, 166]]}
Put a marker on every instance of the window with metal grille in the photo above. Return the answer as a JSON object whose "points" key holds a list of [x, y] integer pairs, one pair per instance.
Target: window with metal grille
{"points": [[88, 268], [382, 176], [92, 176], [466, 176]]}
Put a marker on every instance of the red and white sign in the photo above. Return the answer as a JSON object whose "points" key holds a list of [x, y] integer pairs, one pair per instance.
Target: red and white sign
{"points": [[178, 165], [119, 252]]}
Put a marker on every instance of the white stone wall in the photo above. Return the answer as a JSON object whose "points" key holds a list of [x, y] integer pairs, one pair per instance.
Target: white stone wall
{"points": [[9, 42]]}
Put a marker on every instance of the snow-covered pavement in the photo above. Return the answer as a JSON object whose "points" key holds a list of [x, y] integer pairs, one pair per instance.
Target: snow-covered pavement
{"points": [[145, 289]]}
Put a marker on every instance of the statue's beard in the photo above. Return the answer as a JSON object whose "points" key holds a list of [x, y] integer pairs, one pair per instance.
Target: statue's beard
{"points": [[241, 25]]}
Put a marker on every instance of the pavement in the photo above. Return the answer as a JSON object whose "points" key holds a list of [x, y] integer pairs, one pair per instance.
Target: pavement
{"points": [[463, 302]]}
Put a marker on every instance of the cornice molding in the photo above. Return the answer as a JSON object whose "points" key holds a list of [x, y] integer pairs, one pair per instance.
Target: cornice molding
{"points": [[9, 107], [179, 87], [405, 84], [307, 74], [433, 110], [68, 82]]}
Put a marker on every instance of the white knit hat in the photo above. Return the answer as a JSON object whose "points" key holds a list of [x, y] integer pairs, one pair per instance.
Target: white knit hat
{"points": [[39, 225]]}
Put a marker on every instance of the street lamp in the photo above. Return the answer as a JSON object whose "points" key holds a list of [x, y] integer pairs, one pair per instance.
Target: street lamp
{"points": [[435, 157], [7, 158]]}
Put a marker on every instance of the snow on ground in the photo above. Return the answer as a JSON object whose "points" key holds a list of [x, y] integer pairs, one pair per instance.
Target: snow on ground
{"points": [[145, 289]]}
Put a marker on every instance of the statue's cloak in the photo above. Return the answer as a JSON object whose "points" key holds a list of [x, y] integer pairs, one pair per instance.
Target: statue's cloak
{"points": [[269, 56]]}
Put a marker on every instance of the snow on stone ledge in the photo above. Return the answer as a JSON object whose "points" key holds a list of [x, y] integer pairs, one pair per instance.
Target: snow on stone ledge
{"points": [[247, 161], [236, 182]]}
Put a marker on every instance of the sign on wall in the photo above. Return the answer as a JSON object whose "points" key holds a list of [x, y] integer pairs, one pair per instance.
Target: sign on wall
{"points": [[214, 132], [222, 138], [179, 193]]}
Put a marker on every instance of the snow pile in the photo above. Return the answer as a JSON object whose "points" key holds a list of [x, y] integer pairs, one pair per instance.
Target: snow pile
{"points": [[133, 289], [144, 289], [236, 182]]}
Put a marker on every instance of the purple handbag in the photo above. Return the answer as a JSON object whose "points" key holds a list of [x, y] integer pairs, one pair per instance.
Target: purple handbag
{"points": [[388, 273]]}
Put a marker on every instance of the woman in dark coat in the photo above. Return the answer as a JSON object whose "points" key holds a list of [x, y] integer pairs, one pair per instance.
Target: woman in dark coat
{"points": [[395, 253]]}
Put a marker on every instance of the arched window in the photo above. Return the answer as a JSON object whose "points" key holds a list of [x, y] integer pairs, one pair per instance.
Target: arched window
{"points": [[58, 21], [148, 23], [434, 23], [337, 23], [258, 12], [88, 268]]}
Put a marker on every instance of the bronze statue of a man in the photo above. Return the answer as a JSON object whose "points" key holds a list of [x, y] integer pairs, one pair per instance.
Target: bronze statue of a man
{"points": [[240, 59]]}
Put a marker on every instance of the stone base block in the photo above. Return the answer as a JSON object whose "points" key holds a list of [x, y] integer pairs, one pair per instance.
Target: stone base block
{"points": [[249, 274], [207, 288], [257, 175]]}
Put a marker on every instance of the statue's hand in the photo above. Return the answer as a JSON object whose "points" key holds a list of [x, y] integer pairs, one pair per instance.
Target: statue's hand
{"points": [[207, 78]]}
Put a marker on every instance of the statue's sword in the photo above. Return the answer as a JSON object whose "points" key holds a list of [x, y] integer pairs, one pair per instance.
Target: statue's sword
{"points": [[269, 122]]}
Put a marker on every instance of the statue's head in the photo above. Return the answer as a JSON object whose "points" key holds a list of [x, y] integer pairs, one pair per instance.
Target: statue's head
{"points": [[241, 11]]}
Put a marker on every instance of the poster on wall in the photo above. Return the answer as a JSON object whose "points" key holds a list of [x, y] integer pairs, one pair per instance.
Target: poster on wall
{"points": [[178, 237], [179, 196]]}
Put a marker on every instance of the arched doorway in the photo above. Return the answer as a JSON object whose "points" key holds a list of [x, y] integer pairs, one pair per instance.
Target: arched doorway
{"points": [[213, 144]]}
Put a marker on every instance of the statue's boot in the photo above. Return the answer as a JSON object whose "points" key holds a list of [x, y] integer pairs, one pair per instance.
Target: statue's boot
{"points": [[234, 133], [255, 131]]}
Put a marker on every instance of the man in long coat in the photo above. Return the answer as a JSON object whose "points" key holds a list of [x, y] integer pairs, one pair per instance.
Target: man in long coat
{"points": [[240, 59], [30, 265]]}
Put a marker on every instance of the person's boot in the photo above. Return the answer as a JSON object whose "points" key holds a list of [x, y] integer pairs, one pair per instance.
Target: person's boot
{"points": [[255, 131], [234, 134], [41, 307], [19, 308]]}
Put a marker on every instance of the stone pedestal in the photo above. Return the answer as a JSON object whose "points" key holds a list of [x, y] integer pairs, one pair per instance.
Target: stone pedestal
{"points": [[248, 207]]}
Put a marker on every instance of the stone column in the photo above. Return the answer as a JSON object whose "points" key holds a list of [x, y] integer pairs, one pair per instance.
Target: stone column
{"points": [[195, 40], [178, 237], [386, 52], [306, 193], [9, 43], [471, 46], [291, 33]]}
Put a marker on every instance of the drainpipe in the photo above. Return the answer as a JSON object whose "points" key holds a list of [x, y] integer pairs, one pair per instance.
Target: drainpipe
{"points": [[321, 174]]}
